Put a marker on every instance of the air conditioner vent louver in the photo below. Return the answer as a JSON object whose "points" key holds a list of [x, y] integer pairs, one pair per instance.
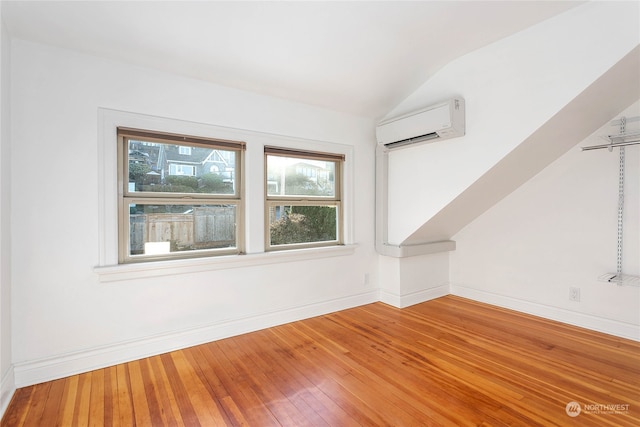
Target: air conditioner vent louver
{"points": [[415, 140], [441, 121]]}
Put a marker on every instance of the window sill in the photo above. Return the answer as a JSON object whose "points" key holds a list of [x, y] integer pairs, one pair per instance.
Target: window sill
{"points": [[115, 273]]}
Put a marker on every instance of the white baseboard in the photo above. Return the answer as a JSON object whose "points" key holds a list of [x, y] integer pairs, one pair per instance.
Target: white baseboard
{"points": [[607, 326], [36, 371], [7, 389], [406, 300], [60, 366]]}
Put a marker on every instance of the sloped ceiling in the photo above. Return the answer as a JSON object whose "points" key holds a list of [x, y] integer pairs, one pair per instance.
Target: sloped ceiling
{"points": [[533, 96], [618, 88], [356, 57]]}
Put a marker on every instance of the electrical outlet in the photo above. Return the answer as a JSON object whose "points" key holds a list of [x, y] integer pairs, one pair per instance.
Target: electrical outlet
{"points": [[574, 294], [365, 279]]}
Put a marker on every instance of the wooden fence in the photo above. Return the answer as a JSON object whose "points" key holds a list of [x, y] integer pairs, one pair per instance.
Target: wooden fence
{"points": [[203, 228]]}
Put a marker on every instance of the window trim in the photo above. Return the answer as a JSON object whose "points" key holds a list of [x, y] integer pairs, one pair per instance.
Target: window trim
{"points": [[107, 268], [178, 139], [150, 270], [305, 200], [127, 197], [303, 154]]}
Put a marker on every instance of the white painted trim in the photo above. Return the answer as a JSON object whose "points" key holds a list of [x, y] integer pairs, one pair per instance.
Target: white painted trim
{"points": [[406, 300], [108, 123], [60, 366], [113, 273], [403, 251], [7, 389], [390, 298], [383, 247], [607, 326], [36, 371]]}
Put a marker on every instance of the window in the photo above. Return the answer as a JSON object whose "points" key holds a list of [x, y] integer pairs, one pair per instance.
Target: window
{"points": [[182, 170], [303, 198], [173, 203]]}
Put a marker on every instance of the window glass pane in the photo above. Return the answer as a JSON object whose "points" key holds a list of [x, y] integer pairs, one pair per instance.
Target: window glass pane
{"points": [[168, 168], [164, 229], [302, 224], [294, 176]]}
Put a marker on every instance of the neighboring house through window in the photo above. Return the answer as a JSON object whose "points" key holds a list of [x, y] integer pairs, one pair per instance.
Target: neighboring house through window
{"points": [[303, 198], [181, 196], [182, 170]]}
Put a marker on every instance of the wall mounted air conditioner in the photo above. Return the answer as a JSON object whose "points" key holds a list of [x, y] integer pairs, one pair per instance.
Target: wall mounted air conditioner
{"points": [[440, 121]]}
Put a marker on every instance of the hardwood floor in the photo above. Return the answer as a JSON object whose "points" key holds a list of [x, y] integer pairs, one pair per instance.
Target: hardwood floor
{"points": [[446, 362]]}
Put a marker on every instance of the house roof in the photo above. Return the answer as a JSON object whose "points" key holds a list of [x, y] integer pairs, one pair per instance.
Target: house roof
{"points": [[197, 156]]}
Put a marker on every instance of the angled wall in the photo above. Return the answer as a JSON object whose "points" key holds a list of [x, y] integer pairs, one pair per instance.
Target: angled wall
{"points": [[597, 104], [559, 230], [513, 89]]}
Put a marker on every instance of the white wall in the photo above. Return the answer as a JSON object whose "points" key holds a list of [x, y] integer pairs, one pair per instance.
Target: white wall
{"points": [[412, 280], [6, 368], [64, 318], [559, 230], [511, 88]]}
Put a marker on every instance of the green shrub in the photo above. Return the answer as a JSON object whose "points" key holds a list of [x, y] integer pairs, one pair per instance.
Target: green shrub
{"points": [[304, 224], [214, 183], [182, 180]]}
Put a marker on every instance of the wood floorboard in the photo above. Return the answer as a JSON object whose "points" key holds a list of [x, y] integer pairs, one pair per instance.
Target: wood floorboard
{"points": [[211, 390], [445, 362], [124, 396]]}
